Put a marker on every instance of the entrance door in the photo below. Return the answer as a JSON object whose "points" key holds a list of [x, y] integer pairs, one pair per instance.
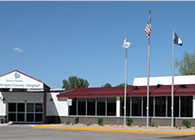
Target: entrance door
{"points": [[25, 112], [16, 112]]}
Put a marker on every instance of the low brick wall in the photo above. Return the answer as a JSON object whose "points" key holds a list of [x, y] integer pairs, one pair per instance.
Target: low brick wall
{"points": [[120, 120], [107, 120]]}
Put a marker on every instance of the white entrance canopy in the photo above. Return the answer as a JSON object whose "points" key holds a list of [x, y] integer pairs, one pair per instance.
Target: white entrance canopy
{"points": [[19, 80]]}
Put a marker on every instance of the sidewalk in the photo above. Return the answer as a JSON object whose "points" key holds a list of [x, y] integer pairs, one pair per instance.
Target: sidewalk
{"points": [[5, 124], [102, 128]]}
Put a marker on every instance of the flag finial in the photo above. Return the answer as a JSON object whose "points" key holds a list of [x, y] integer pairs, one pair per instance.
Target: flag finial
{"points": [[150, 11]]}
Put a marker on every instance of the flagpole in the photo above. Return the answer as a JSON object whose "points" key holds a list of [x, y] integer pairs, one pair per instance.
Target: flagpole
{"points": [[148, 75], [172, 87], [125, 95]]}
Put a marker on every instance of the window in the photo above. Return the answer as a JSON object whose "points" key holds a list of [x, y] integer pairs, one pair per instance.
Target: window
{"points": [[111, 106], [151, 106], [82, 106], [176, 106], [136, 106], [72, 108], [160, 106], [144, 106], [186, 106], [12, 107], [90, 106], [101, 106], [122, 106]]}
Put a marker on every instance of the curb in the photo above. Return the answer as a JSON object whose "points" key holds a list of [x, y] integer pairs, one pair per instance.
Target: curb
{"points": [[118, 130], [5, 124]]}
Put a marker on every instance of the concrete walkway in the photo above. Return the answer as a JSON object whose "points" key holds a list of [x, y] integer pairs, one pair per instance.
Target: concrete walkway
{"points": [[135, 130], [5, 124]]}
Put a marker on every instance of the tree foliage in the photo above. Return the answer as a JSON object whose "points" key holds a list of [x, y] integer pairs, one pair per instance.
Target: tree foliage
{"points": [[74, 82], [121, 85], [107, 85], [187, 64]]}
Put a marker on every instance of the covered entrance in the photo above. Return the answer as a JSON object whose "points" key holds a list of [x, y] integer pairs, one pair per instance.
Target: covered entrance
{"points": [[22, 112], [23, 99]]}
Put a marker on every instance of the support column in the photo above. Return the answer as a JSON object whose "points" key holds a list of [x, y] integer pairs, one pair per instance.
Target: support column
{"points": [[130, 106], [193, 106], [45, 104], [118, 106]]}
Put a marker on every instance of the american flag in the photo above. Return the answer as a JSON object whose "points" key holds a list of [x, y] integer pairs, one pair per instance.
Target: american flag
{"points": [[147, 30]]}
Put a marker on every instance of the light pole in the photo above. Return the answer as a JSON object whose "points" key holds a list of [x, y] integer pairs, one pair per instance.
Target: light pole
{"points": [[125, 45]]}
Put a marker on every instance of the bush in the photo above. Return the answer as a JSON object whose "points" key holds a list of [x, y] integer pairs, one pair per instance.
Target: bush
{"points": [[152, 124], [67, 123], [129, 121], [100, 121], [88, 124], [76, 121], [186, 123]]}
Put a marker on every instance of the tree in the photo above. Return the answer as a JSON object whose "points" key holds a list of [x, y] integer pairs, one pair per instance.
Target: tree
{"points": [[121, 85], [186, 64], [107, 85], [74, 82]]}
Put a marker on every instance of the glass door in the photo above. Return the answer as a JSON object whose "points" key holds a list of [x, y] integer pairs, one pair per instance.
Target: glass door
{"points": [[25, 112], [16, 112], [12, 112], [20, 112], [30, 112]]}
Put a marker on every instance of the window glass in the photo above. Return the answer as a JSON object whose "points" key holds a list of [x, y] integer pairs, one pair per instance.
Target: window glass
{"points": [[72, 108], [186, 106], [127, 106], [20, 117], [90, 106], [30, 107], [111, 106], [136, 106], [12, 107], [30, 117], [151, 106], [160, 106], [38, 107], [82, 106], [12, 117], [101, 106], [144, 106], [38, 117], [176, 106], [21, 107]]}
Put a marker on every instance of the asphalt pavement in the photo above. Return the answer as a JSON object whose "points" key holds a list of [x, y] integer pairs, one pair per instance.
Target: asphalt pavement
{"points": [[68, 132]]}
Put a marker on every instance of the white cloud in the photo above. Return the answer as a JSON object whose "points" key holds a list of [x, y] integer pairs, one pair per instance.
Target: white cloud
{"points": [[17, 50]]}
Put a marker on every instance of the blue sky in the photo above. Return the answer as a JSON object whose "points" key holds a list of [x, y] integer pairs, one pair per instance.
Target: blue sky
{"points": [[51, 41]]}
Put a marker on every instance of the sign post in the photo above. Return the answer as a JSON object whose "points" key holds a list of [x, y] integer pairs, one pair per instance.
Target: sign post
{"points": [[69, 103]]}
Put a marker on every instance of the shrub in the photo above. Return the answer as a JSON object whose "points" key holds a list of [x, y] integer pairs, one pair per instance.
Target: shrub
{"points": [[76, 121], [67, 123], [111, 124], [129, 121], [152, 124], [186, 123], [88, 124], [100, 121]]}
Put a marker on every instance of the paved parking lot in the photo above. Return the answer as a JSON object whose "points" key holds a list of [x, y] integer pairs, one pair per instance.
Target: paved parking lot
{"points": [[27, 132]]}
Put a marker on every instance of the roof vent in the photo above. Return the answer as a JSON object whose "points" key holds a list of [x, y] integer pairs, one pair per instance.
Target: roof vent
{"points": [[136, 88], [158, 85], [183, 86]]}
